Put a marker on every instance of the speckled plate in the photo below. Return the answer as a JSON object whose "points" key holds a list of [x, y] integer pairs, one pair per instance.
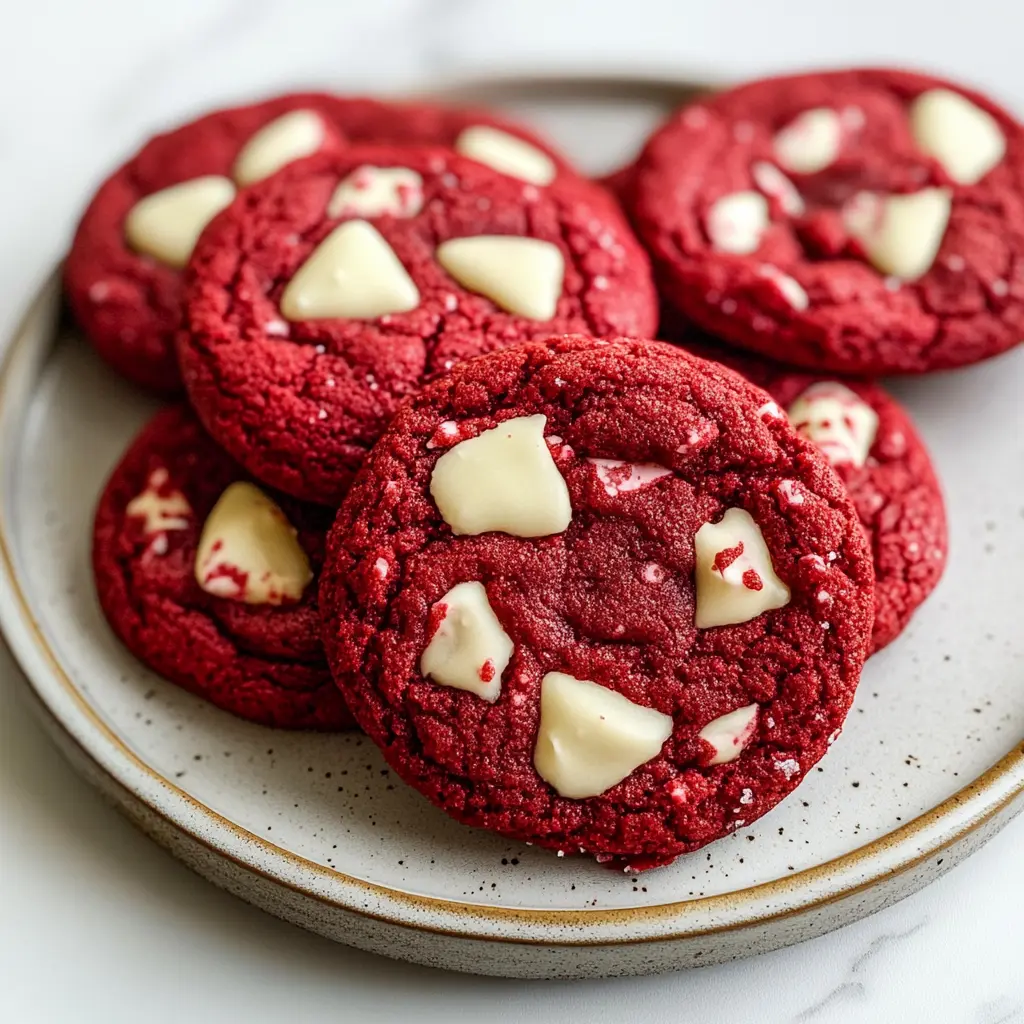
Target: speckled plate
{"points": [[315, 829]]}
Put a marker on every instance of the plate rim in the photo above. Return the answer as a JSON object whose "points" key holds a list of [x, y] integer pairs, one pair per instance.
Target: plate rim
{"points": [[898, 851]]}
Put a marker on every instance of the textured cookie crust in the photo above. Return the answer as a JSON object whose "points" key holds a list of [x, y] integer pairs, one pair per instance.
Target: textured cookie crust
{"points": [[896, 492], [587, 602], [299, 404], [967, 307], [130, 305], [262, 663]]}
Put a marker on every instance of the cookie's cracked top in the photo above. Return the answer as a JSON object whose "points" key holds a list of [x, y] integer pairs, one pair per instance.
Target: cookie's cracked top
{"points": [[598, 596], [319, 299], [209, 581], [874, 446], [863, 221], [123, 273]]}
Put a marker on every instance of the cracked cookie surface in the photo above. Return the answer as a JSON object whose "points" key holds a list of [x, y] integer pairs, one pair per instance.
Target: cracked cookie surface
{"points": [[299, 402], [652, 445], [129, 304], [261, 662], [777, 218], [896, 491]]}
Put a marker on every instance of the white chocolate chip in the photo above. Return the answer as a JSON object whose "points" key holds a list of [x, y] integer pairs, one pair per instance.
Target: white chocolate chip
{"points": [[506, 153], [729, 734], [248, 550], [789, 767], [965, 139], [590, 738], [504, 479], [736, 222], [378, 191], [791, 492], [521, 275], [653, 573], [167, 224], [770, 411], [292, 136], [619, 477], [468, 650], [772, 182], [789, 288], [810, 142], [735, 578], [352, 273], [161, 509], [901, 234], [837, 420]]}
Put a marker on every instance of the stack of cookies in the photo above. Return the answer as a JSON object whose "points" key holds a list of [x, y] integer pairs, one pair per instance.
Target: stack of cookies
{"points": [[599, 593]]}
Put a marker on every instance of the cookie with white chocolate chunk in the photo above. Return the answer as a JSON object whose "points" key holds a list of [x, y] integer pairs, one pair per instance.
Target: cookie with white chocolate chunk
{"points": [[123, 273], [866, 221], [325, 295], [874, 446], [574, 596], [210, 581]]}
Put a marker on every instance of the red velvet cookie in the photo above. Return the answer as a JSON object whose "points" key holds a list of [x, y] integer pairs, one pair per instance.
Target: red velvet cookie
{"points": [[598, 596], [123, 275], [865, 222], [247, 638], [325, 295], [872, 443]]}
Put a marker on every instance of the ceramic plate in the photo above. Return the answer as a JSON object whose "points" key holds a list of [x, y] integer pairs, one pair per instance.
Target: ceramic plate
{"points": [[316, 830]]}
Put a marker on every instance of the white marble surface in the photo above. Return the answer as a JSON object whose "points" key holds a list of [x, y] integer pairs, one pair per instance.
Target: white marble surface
{"points": [[98, 924]]}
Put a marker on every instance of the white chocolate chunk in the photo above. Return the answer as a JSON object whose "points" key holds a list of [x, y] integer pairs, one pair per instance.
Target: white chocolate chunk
{"points": [[735, 578], [167, 224], [248, 550], [837, 421], [162, 510], [965, 139], [469, 650], [378, 191], [901, 234], [352, 273], [506, 153], [619, 477], [730, 733], [504, 480], [810, 142], [521, 275], [790, 289], [590, 738], [737, 221], [290, 137], [772, 182]]}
